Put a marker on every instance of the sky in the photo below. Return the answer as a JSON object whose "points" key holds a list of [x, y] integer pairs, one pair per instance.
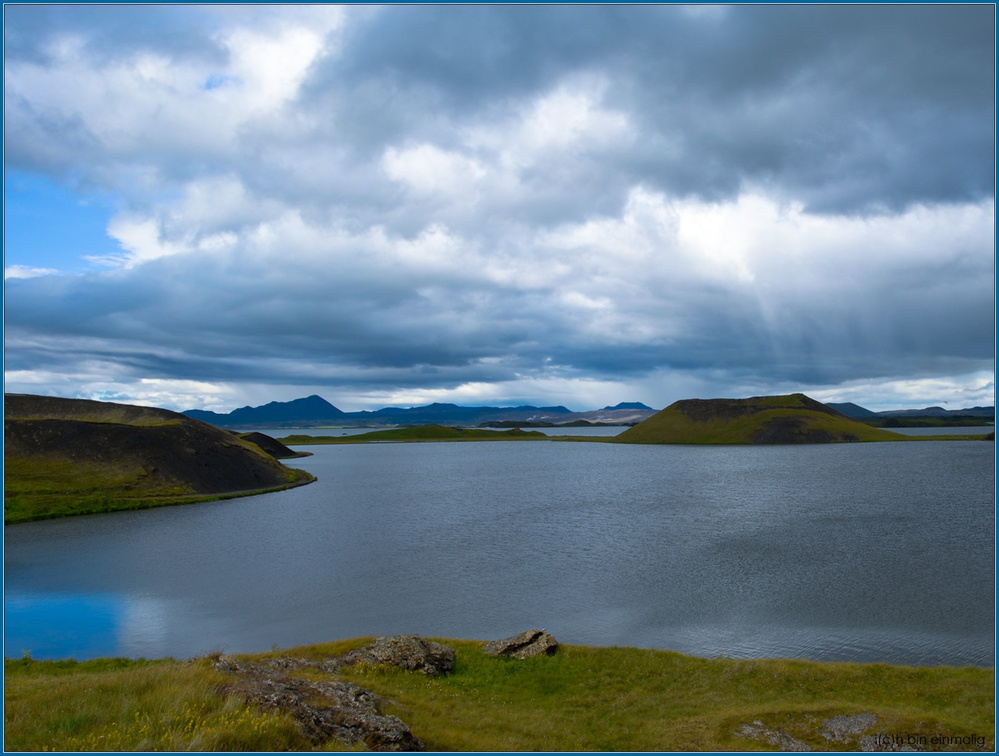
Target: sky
{"points": [[214, 206]]}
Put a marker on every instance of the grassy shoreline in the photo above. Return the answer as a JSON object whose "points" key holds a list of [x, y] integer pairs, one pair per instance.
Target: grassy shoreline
{"points": [[440, 433], [583, 698], [23, 503]]}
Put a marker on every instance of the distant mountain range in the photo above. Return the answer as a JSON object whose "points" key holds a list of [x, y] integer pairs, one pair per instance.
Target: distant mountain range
{"points": [[314, 411], [856, 411]]}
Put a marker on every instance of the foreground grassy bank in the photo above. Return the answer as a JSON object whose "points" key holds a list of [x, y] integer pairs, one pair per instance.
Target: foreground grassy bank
{"points": [[580, 699]]}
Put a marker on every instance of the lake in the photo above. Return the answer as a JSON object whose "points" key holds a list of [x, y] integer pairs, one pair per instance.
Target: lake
{"points": [[862, 552]]}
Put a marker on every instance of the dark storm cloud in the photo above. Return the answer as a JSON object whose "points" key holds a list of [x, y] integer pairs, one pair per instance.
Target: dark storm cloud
{"points": [[428, 196], [851, 107]]}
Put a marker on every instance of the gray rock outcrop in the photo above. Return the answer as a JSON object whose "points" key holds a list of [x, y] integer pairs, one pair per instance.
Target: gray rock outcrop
{"points": [[405, 652], [850, 731], [523, 646], [846, 727], [348, 712]]}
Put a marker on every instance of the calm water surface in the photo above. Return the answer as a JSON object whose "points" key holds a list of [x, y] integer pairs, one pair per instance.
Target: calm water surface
{"points": [[866, 552]]}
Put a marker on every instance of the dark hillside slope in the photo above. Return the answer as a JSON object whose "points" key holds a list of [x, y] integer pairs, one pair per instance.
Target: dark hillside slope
{"points": [[271, 445], [851, 410], [791, 419], [70, 456]]}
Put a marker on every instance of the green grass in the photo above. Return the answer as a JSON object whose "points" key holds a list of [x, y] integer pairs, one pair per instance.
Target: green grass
{"points": [[581, 699], [101, 412], [37, 488], [672, 426], [116, 705], [419, 433]]}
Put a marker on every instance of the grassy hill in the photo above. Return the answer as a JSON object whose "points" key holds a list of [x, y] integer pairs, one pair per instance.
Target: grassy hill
{"points": [[583, 698], [75, 456], [790, 419]]}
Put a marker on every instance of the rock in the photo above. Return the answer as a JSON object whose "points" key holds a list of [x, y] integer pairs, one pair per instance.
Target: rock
{"points": [[847, 726], [337, 709], [348, 712], [785, 742], [847, 730], [527, 644], [405, 652], [882, 744]]}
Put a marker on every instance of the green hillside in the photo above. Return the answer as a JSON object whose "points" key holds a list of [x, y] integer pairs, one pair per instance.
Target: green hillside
{"points": [[790, 419], [75, 456]]}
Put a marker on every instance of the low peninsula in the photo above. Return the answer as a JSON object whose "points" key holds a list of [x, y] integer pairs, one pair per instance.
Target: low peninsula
{"points": [[77, 456]]}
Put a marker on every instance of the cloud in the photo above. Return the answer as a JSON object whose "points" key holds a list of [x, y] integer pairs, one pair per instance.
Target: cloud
{"points": [[23, 271], [753, 287], [412, 201]]}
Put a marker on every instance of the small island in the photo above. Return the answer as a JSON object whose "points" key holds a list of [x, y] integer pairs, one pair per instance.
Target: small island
{"points": [[789, 419], [419, 433]]}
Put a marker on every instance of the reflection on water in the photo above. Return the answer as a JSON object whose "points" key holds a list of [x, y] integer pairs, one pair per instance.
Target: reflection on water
{"points": [[80, 626], [84, 626], [864, 552]]}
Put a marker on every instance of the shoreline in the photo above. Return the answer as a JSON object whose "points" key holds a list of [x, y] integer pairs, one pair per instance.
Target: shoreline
{"points": [[130, 505], [274, 651]]}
